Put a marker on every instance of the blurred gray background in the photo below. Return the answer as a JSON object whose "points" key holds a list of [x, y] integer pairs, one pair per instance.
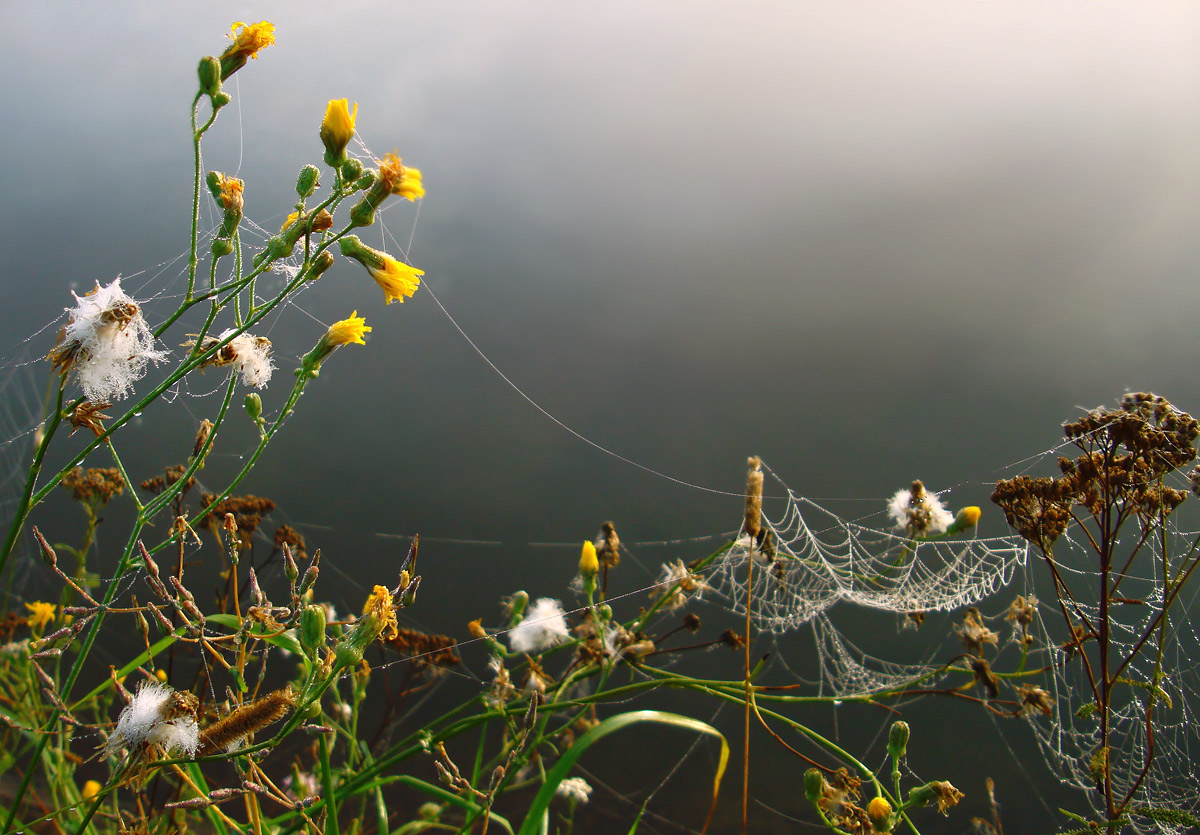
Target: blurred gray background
{"points": [[870, 242]]}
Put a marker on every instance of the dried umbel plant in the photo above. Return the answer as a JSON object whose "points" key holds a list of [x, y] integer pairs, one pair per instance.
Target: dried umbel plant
{"points": [[1117, 707]]}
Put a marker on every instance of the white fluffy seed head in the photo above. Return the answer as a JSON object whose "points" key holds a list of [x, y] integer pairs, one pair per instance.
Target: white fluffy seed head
{"points": [[544, 626], [115, 342], [926, 516], [253, 358], [147, 720]]}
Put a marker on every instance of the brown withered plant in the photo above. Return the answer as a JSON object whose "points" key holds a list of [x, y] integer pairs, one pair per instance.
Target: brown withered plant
{"points": [[1118, 701]]}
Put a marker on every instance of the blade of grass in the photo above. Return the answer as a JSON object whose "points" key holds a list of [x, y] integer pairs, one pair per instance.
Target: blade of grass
{"points": [[566, 762]]}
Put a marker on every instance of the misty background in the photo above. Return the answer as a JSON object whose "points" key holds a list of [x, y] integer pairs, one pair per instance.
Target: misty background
{"points": [[869, 242]]}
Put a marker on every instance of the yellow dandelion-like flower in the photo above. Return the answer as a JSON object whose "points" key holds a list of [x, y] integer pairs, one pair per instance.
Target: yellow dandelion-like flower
{"points": [[40, 613], [248, 40], [90, 789], [382, 611], [398, 280], [400, 179], [337, 128], [292, 218], [348, 331]]}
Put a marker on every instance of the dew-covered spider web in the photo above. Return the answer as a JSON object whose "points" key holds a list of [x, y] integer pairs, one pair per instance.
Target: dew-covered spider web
{"points": [[1153, 728], [812, 559]]}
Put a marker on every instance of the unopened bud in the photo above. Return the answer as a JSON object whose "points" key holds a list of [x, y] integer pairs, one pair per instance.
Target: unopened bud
{"points": [[519, 601], [254, 406], [308, 180], [409, 597], [352, 169], [290, 569], [814, 784], [898, 739], [209, 72], [319, 265], [589, 563], [312, 628]]}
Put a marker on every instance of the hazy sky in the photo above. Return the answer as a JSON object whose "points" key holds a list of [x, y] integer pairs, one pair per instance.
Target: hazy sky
{"points": [[867, 241]]}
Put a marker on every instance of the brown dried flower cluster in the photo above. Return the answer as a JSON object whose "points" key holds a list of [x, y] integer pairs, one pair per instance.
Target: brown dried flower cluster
{"points": [[248, 512], [1123, 455], [170, 475], [839, 801], [425, 650], [287, 535], [96, 486]]}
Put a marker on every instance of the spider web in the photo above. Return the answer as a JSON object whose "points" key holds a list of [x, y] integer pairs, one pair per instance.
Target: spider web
{"points": [[816, 559], [1160, 686]]}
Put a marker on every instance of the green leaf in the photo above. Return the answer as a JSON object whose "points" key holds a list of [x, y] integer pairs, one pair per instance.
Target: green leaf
{"points": [[566, 762]]}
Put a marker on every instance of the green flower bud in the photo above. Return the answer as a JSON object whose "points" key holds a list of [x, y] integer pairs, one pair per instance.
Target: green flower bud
{"points": [[254, 406], [366, 180], [220, 100], [898, 739], [214, 179], [323, 262], [312, 628], [221, 247], [814, 784], [604, 611], [922, 795], [209, 72], [308, 180], [352, 169], [519, 601], [363, 213]]}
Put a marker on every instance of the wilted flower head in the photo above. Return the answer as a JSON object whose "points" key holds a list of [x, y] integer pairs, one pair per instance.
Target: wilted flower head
{"points": [[250, 355], [248, 41], [157, 717], [544, 626], [677, 584], [400, 179], [106, 342], [917, 512]]}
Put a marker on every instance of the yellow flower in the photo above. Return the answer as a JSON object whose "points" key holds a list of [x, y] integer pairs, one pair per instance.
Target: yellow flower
{"points": [[40, 614], [382, 613], [589, 564], [398, 280], [248, 40], [880, 813], [90, 789], [231, 192], [348, 331], [400, 179], [161, 675], [292, 218], [338, 127]]}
